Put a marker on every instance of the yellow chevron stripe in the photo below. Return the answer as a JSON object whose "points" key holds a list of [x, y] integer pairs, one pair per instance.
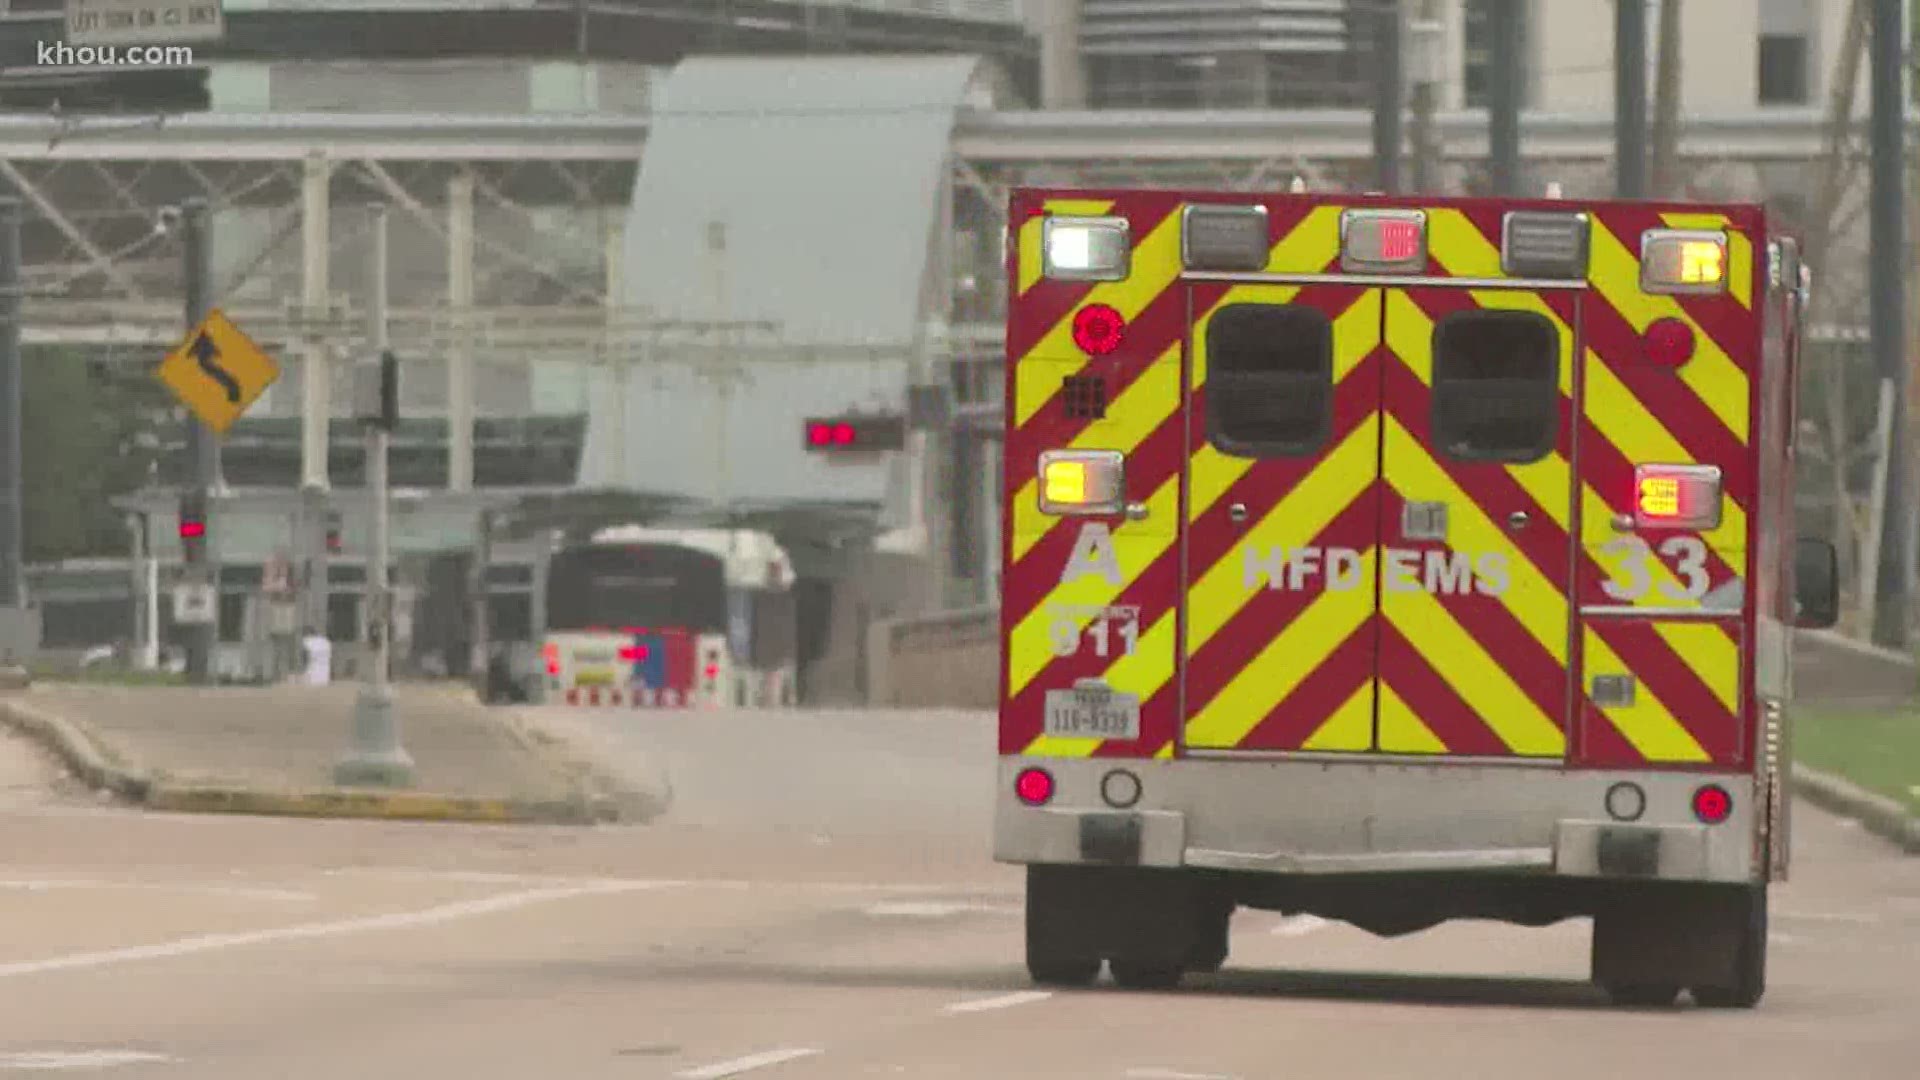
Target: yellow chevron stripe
{"points": [[1739, 251], [1151, 400], [1475, 675], [1290, 657], [1401, 729], [1646, 724], [1156, 266], [1032, 264], [1349, 728], [1710, 653], [1537, 603], [1459, 246], [1165, 753], [1221, 591], [1029, 646], [1711, 375], [1310, 245]]}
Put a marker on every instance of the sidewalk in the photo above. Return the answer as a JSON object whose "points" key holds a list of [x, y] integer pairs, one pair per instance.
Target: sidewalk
{"points": [[272, 750]]}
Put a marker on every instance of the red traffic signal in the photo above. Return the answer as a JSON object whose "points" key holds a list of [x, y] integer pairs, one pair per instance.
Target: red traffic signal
{"points": [[855, 434]]}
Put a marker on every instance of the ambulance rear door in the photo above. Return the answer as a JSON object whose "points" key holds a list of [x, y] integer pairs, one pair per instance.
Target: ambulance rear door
{"points": [[1476, 514], [1282, 519]]}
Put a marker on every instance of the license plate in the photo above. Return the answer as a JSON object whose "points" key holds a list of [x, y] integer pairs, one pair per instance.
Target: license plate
{"points": [[1092, 714], [593, 678]]}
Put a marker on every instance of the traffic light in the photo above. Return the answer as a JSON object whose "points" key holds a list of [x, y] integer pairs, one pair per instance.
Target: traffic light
{"points": [[855, 434], [193, 527]]}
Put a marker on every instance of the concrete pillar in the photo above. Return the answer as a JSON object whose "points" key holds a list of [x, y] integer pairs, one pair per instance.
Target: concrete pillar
{"points": [[316, 372], [460, 360], [1063, 76]]}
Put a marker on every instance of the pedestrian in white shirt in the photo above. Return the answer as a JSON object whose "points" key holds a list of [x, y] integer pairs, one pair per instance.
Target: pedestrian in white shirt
{"points": [[319, 654]]}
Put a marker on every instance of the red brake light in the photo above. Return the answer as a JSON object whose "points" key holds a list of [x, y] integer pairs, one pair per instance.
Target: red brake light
{"points": [[713, 671], [553, 667], [1399, 240], [1098, 329], [1034, 786], [1712, 804], [633, 652], [1668, 342]]}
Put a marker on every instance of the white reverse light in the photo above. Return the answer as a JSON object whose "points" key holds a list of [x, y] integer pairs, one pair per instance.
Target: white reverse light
{"points": [[1085, 248]]}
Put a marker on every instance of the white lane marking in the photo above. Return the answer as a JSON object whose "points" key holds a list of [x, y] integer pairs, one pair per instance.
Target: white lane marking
{"points": [[934, 909], [432, 916], [1173, 1074], [1298, 925], [1829, 916], [1004, 1001], [737, 884], [48, 1060], [720, 1070], [48, 885]]}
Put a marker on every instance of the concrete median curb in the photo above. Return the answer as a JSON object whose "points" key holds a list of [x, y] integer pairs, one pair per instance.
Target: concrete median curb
{"points": [[74, 749], [1880, 815], [83, 758], [384, 805]]}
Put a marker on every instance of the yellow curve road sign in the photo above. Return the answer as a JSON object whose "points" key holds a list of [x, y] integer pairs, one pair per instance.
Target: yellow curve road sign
{"points": [[217, 372]]}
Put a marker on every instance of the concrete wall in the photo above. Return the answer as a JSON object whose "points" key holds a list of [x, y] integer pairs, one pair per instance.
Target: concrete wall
{"points": [[952, 659], [949, 660]]}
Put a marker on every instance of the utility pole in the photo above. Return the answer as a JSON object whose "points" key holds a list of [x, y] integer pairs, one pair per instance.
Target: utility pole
{"points": [[1829, 185], [1630, 98], [1389, 94], [1504, 71], [1886, 297], [1427, 36], [203, 449], [1666, 100], [377, 756], [11, 489]]}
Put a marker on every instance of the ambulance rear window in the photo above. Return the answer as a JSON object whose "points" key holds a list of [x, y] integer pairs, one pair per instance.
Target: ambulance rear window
{"points": [[1496, 386], [1269, 380]]}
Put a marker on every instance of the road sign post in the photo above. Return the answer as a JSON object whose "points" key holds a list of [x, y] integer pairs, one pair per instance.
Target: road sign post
{"points": [[217, 373], [377, 757]]}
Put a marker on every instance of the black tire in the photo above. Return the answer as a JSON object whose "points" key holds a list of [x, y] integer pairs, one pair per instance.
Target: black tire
{"points": [[1747, 978], [1062, 971], [1211, 934], [1133, 974], [1643, 995], [1058, 952]]}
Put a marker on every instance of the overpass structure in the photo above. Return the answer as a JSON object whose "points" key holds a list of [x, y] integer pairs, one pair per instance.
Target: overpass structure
{"points": [[100, 270]]}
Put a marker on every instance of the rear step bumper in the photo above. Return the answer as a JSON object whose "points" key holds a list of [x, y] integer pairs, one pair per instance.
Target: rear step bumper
{"points": [[1281, 817]]}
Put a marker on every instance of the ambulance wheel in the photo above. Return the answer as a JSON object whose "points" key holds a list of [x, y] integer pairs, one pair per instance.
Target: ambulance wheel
{"points": [[1135, 974], [1746, 981], [1058, 950], [1210, 938]]}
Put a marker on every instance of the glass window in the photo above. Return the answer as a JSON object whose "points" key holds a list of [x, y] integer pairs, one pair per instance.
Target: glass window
{"points": [[1269, 380], [1496, 386]]}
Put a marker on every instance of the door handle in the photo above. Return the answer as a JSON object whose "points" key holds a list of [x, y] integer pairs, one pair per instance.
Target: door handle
{"points": [[1238, 512], [1518, 520]]}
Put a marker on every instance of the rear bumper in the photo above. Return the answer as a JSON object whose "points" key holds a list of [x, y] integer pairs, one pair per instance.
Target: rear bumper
{"points": [[1335, 817]]}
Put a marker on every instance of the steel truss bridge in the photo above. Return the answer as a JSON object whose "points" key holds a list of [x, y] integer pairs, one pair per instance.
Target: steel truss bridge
{"points": [[101, 270]]}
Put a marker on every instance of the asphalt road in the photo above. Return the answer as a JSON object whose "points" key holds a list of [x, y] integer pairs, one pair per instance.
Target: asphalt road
{"points": [[818, 904]]}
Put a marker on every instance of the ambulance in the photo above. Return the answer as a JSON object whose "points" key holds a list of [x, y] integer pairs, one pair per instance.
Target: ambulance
{"points": [[1396, 561]]}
